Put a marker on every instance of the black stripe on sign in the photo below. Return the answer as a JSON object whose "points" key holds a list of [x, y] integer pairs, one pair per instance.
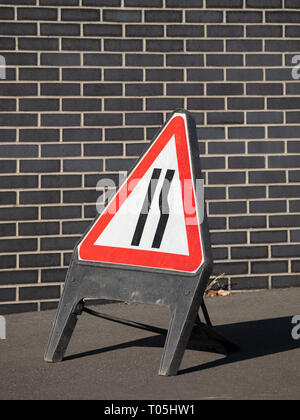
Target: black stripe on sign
{"points": [[164, 209], [146, 207]]}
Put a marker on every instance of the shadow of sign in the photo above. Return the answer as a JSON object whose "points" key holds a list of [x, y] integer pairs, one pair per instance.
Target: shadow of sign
{"points": [[255, 338]]}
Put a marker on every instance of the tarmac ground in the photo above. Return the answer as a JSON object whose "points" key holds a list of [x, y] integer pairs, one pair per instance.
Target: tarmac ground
{"points": [[107, 361]]}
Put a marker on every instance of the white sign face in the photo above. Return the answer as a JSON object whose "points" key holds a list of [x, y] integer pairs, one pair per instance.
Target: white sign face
{"points": [[121, 230]]}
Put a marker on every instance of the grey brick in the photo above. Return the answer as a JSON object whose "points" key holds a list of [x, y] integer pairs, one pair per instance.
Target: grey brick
{"points": [[284, 191], [123, 74], [268, 206], [264, 31], [203, 75], [7, 261], [249, 252], [19, 277], [284, 17], [225, 118], [224, 89], [80, 165], [37, 166], [222, 238], [39, 105], [231, 268], [185, 31], [247, 222], [204, 45], [268, 236], [245, 103], [81, 105], [36, 13], [265, 118], [123, 45], [39, 197], [39, 228], [60, 150], [226, 148], [249, 283], [244, 45], [244, 74], [121, 134], [60, 89], [54, 276], [60, 29], [143, 3], [102, 60], [286, 221], [147, 31], [144, 89], [285, 251], [165, 45], [122, 15], [61, 181], [63, 120], [285, 281], [267, 177], [188, 3], [163, 16], [284, 161], [9, 28], [103, 89], [282, 45], [144, 119], [294, 176], [103, 119], [206, 103], [38, 44], [268, 4], [225, 31], [204, 16], [57, 213], [246, 133], [39, 293], [77, 44], [245, 17], [18, 151], [102, 30], [264, 88], [230, 4], [58, 244], [247, 192], [225, 207], [60, 59], [224, 60], [80, 15], [265, 147], [284, 132]]}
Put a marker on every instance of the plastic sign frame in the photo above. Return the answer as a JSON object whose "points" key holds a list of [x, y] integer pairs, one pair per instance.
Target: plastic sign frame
{"points": [[180, 290]]}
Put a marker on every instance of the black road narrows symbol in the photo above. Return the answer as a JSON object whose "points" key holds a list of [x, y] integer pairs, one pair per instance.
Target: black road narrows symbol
{"points": [[146, 207], [164, 209]]}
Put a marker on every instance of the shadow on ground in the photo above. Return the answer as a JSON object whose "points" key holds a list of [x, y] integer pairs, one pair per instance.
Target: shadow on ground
{"points": [[255, 339]]}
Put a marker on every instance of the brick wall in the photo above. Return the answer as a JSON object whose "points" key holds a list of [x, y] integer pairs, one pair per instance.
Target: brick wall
{"points": [[88, 84]]}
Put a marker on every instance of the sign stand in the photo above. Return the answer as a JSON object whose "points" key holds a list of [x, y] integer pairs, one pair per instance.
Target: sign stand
{"points": [[159, 253]]}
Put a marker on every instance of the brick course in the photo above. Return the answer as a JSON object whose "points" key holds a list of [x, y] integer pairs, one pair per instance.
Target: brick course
{"points": [[89, 82]]}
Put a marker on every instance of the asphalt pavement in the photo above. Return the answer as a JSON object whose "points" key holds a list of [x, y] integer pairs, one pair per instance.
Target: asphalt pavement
{"points": [[107, 361]]}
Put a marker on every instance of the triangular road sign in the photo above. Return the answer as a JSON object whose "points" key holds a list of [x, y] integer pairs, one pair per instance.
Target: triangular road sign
{"points": [[149, 245], [153, 220]]}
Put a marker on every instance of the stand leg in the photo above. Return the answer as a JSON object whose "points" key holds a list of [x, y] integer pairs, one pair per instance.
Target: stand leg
{"points": [[177, 339], [64, 324]]}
